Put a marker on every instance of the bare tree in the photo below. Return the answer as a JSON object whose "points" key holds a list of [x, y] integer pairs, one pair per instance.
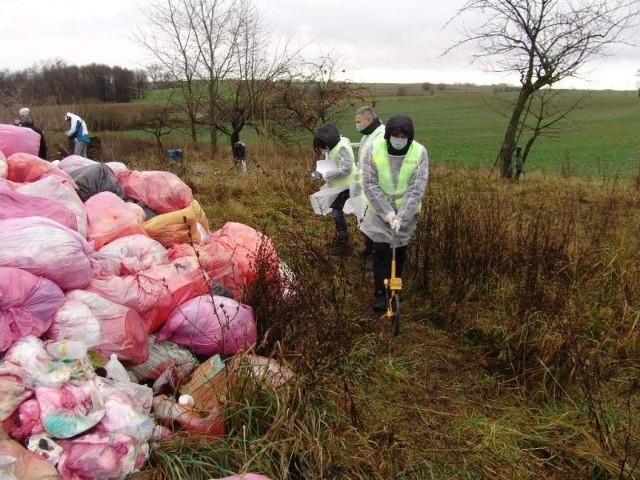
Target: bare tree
{"points": [[543, 41], [314, 96]]}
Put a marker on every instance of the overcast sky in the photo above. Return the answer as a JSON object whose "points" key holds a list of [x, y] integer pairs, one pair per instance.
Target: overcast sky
{"points": [[376, 40]]}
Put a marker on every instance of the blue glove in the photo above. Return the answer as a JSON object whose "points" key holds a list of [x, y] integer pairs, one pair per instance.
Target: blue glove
{"points": [[316, 175]]}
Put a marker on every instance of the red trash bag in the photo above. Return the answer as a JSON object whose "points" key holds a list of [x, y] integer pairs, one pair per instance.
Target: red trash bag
{"points": [[102, 325], [24, 167], [15, 139], [109, 217], [52, 250], [25, 421], [246, 246], [211, 324], [162, 192], [28, 304], [16, 205], [155, 292], [214, 258]]}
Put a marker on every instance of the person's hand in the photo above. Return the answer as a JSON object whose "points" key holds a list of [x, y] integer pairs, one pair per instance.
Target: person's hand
{"points": [[396, 225], [390, 217], [316, 175]]}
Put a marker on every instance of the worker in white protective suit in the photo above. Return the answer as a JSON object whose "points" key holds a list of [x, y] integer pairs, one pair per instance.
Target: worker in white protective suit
{"points": [[371, 128], [79, 132], [395, 171], [338, 175]]}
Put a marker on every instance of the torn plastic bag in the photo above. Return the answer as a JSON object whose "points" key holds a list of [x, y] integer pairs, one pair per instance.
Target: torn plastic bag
{"points": [[16, 204], [210, 324], [71, 409], [267, 371], [102, 325], [191, 419], [28, 304], [109, 218], [28, 360], [213, 257], [155, 292], [24, 167], [64, 192], [18, 463], [18, 139], [128, 255], [247, 247], [161, 191], [53, 250], [94, 179], [164, 356], [180, 226], [127, 409], [25, 421], [98, 456], [46, 447]]}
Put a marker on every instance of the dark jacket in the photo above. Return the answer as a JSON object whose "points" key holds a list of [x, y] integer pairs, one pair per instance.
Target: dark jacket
{"points": [[42, 151]]}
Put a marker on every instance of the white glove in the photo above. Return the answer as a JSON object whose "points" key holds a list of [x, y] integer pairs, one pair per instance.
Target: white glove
{"points": [[396, 225], [390, 217]]}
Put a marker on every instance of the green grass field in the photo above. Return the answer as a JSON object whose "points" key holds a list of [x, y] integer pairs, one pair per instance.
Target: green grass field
{"points": [[459, 127]]}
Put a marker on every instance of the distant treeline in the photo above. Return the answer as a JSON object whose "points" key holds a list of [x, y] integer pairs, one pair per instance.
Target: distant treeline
{"points": [[59, 83]]}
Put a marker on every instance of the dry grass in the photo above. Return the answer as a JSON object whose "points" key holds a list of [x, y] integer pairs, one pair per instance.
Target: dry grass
{"points": [[518, 356]]}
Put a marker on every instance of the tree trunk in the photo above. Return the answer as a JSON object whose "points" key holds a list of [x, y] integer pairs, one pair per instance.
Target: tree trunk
{"points": [[213, 139], [509, 144], [235, 137]]}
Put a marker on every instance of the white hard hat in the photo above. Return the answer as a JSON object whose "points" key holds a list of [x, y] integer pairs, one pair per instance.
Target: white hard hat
{"points": [[24, 112]]}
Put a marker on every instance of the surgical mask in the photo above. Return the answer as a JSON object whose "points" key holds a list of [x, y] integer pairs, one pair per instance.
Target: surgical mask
{"points": [[360, 127], [398, 143]]}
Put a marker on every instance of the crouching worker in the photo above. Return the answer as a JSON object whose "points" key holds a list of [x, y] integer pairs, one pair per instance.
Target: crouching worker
{"points": [[395, 171], [337, 150]]}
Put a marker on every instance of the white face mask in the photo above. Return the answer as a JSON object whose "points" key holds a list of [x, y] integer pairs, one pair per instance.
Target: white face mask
{"points": [[398, 143], [359, 127]]}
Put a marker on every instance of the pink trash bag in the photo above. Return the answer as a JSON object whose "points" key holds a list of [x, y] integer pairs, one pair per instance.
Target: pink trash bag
{"points": [[25, 421], [128, 255], [102, 325], [4, 168], [46, 248], [55, 188], [98, 456], [24, 167], [28, 304], [18, 139], [211, 324], [18, 205], [109, 217], [246, 246], [155, 292], [162, 192]]}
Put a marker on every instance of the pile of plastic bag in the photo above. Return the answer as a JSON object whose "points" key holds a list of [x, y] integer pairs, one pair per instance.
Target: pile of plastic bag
{"points": [[107, 281]]}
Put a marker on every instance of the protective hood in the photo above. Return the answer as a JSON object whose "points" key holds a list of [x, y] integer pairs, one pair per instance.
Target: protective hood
{"points": [[397, 124], [327, 134]]}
